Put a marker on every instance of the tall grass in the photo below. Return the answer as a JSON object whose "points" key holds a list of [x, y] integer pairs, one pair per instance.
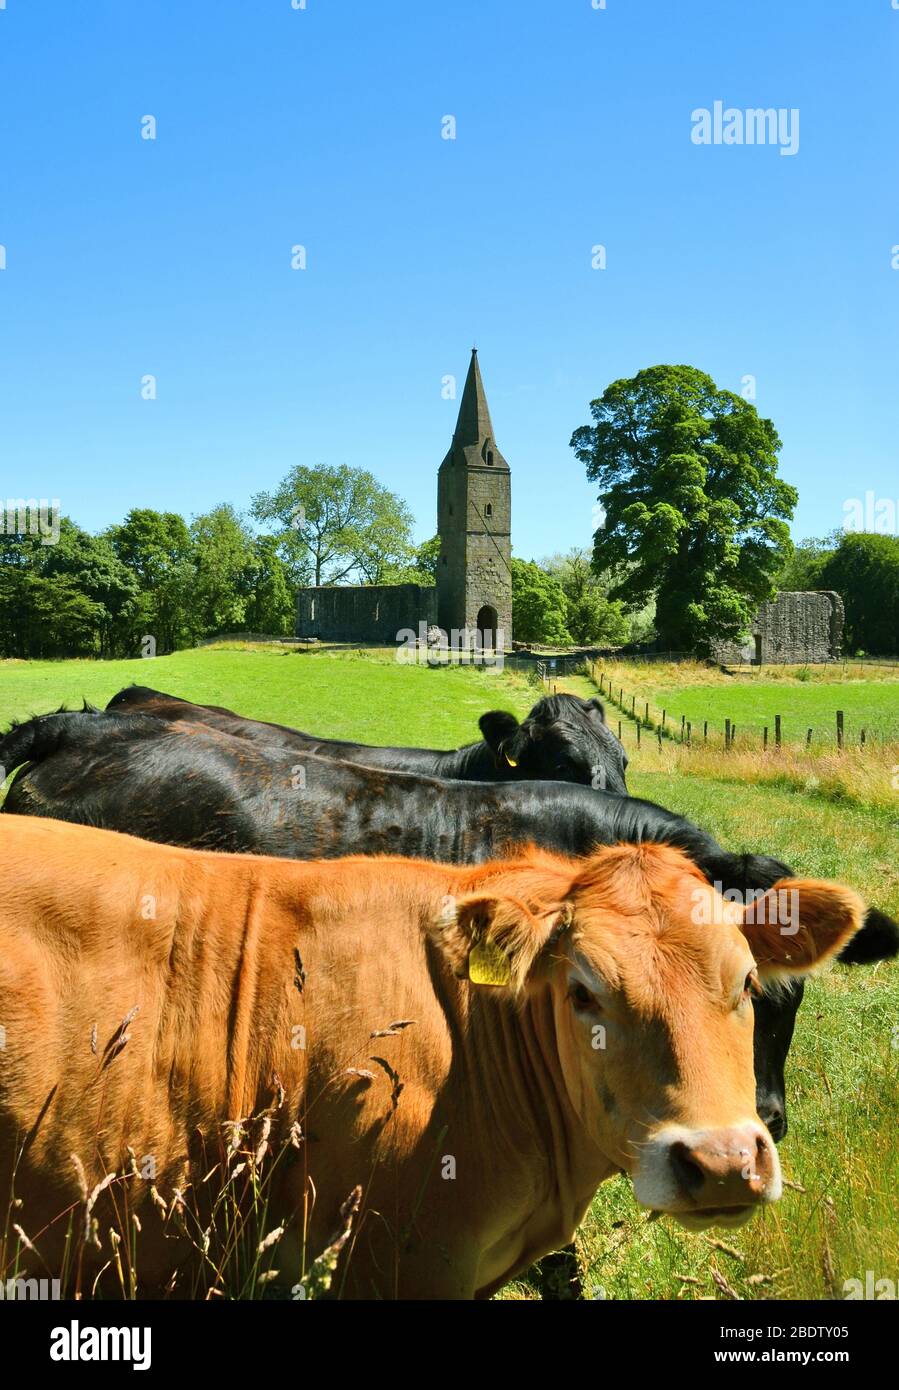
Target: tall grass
{"points": [[867, 777], [225, 1243]]}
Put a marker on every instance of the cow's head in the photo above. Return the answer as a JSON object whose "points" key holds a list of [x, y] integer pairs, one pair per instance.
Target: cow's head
{"points": [[563, 739], [775, 1011], [648, 977]]}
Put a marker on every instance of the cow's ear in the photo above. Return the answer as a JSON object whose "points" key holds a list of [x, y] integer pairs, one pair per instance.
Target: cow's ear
{"points": [[496, 941], [800, 922], [878, 939], [504, 736], [496, 725], [600, 708]]}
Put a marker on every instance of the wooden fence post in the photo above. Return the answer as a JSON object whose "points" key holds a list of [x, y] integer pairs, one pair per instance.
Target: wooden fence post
{"points": [[765, 738], [705, 731], [777, 730], [659, 732], [863, 738], [808, 739], [619, 730], [638, 733], [689, 734], [839, 728], [647, 714], [727, 733]]}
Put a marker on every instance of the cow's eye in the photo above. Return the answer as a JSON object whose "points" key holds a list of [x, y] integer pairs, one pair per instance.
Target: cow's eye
{"points": [[580, 996]]}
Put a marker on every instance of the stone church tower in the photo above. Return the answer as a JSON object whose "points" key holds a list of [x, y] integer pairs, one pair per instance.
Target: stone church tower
{"points": [[474, 522]]}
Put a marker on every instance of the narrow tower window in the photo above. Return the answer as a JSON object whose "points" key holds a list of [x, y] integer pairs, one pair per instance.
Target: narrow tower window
{"points": [[490, 457], [488, 509]]}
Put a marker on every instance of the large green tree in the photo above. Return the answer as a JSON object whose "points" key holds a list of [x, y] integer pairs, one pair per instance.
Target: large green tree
{"points": [[591, 618], [74, 597], [157, 548], [865, 573], [420, 568], [538, 605], [695, 512], [45, 616], [337, 523], [271, 601], [90, 565], [802, 569], [222, 554]]}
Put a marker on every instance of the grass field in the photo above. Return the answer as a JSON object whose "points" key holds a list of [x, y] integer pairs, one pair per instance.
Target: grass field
{"points": [[838, 1218], [805, 698], [365, 695]]}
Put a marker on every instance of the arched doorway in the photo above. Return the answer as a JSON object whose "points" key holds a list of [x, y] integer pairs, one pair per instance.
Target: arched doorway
{"points": [[488, 620]]}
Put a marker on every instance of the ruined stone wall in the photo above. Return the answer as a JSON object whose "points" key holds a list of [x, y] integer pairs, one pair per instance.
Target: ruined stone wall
{"points": [[791, 628], [364, 612], [801, 627]]}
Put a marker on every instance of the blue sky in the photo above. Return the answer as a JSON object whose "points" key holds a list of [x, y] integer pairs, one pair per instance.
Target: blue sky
{"points": [[322, 127]]}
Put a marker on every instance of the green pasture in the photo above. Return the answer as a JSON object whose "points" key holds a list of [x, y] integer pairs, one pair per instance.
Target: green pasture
{"points": [[752, 702], [365, 695], [838, 1217]]}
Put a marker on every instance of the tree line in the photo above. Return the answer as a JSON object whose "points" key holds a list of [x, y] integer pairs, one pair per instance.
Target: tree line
{"points": [[178, 582], [694, 536]]}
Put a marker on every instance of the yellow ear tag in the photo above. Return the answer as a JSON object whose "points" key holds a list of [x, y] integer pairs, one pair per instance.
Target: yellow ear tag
{"points": [[510, 761], [488, 965]]}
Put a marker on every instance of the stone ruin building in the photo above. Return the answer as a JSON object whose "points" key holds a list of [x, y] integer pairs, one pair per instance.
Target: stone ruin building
{"points": [[473, 592], [792, 628]]}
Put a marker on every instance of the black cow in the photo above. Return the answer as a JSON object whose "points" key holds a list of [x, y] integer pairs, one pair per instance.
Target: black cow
{"points": [[185, 783], [563, 739]]}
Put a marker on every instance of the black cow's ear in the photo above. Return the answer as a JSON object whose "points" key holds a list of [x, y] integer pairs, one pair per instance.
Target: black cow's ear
{"points": [[876, 939], [496, 725], [598, 705]]}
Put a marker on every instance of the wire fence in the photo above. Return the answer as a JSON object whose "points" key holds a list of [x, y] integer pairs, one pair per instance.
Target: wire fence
{"points": [[652, 720]]}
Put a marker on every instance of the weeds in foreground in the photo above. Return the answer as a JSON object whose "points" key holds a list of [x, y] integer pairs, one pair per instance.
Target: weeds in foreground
{"points": [[220, 1224]]}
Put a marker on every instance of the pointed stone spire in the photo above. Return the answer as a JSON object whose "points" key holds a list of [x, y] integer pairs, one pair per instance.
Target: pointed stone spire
{"points": [[473, 440], [473, 425]]}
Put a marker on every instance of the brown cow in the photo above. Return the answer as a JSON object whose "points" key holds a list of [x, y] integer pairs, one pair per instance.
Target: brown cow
{"points": [[151, 994]]}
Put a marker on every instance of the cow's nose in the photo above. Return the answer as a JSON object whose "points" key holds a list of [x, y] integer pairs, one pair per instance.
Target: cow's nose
{"points": [[773, 1115], [725, 1168]]}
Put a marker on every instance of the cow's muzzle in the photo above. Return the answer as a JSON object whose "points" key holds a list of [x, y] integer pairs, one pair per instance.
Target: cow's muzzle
{"points": [[708, 1177]]}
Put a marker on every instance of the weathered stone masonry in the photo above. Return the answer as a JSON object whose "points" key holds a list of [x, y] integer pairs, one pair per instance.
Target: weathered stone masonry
{"points": [[474, 575], [792, 628], [364, 612]]}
